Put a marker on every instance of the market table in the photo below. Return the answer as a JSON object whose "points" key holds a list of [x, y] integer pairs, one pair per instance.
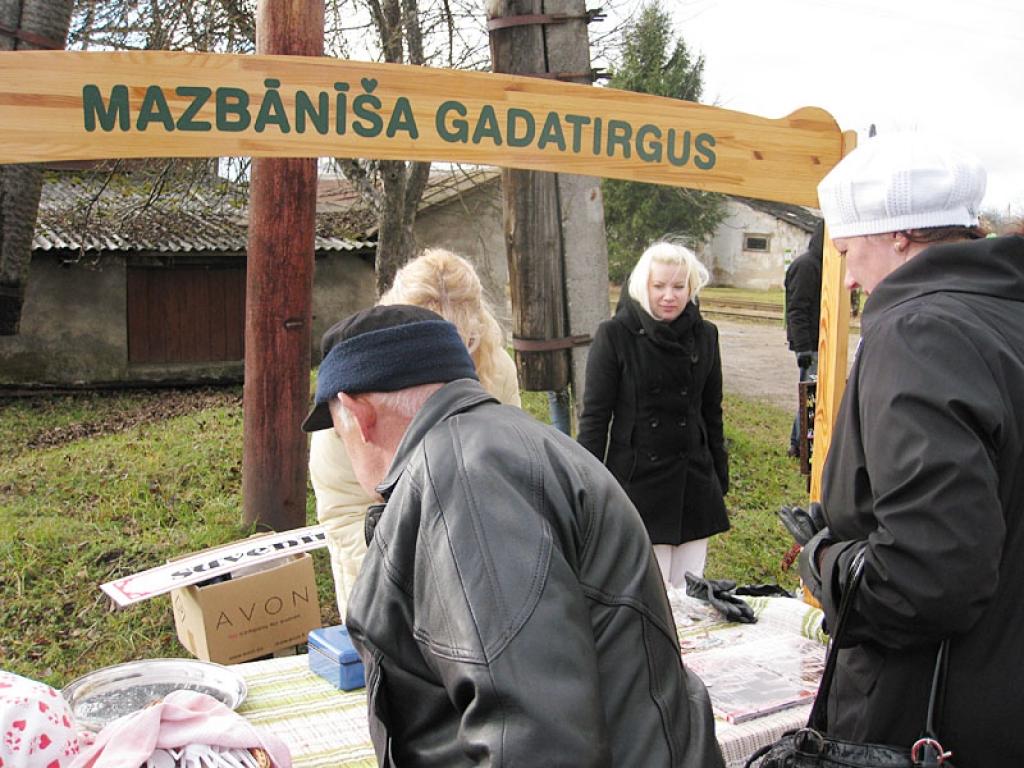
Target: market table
{"points": [[327, 727]]}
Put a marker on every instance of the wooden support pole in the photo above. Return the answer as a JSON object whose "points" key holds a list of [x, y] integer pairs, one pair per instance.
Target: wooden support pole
{"points": [[834, 337], [533, 238], [554, 223], [581, 207], [278, 303]]}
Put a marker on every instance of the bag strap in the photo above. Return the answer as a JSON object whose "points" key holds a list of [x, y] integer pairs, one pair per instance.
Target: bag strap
{"points": [[819, 712], [818, 717]]}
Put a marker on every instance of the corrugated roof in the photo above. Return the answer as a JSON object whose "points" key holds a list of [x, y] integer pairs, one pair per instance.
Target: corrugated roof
{"points": [[452, 182], [338, 197], [98, 211], [797, 215]]}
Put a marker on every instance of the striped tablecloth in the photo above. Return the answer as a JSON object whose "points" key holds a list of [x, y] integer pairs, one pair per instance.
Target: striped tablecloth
{"points": [[327, 728]]}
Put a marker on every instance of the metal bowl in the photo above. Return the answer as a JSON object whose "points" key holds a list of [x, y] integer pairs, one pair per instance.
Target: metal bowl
{"points": [[109, 693]]}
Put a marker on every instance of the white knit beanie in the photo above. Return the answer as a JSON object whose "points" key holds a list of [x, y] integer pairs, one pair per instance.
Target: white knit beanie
{"points": [[898, 182]]}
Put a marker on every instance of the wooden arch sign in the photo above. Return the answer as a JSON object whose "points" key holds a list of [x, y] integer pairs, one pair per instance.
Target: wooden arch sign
{"points": [[67, 105], [57, 105]]}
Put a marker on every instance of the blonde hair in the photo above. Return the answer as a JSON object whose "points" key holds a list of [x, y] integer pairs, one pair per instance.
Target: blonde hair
{"points": [[447, 284], [669, 252]]}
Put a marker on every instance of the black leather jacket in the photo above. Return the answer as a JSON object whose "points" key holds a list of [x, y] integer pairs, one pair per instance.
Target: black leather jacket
{"points": [[509, 610]]}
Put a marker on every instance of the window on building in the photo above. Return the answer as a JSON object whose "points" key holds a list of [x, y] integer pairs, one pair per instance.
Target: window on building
{"points": [[756, 242]]}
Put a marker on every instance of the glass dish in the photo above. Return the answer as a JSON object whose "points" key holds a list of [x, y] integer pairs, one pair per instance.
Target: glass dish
{"points": [[106, 694]]}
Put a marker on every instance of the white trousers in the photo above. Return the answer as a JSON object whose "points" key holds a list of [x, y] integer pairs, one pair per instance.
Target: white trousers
{"points": [[675, 561]]}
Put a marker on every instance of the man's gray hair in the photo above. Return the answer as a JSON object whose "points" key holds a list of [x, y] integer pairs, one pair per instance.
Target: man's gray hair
{"points": [[404, 402]]}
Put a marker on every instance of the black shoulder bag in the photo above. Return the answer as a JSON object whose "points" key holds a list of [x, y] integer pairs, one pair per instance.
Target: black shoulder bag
{"points": [[810, 747]]}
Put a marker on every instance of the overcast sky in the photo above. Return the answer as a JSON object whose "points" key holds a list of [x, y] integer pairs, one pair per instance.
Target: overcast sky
{"points": [[944, 67]]}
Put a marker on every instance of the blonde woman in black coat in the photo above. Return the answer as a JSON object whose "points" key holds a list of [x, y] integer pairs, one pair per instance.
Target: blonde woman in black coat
{"points": [[652, 408]]}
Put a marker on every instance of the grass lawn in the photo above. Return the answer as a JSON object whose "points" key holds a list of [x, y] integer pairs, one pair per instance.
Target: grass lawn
{"points": [[98, 486]]}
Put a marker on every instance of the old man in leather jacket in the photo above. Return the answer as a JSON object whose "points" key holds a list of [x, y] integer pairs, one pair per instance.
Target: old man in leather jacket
{"points": [[509, 611]]}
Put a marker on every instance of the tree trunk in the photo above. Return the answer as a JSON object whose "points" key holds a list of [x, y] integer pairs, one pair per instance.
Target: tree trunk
{"points": [[402, 184], [279, 299], [395, 240], [44, 24]]}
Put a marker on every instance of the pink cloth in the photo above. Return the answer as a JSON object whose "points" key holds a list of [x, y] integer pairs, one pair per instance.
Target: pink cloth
{"points": [[182, 718], [36, 727]]}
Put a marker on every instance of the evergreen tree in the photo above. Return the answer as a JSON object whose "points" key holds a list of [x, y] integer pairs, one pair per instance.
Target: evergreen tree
{"points": [[652, 60]]}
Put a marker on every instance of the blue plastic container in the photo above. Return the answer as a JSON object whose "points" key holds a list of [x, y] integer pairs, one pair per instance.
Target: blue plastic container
{"points": [[333, 657]]}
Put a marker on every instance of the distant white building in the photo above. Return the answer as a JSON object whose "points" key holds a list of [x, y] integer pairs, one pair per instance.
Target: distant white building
{"points": [[756, 241]]}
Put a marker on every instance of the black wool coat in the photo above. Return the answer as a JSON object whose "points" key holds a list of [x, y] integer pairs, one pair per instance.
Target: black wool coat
{"points": [[652, 411]]}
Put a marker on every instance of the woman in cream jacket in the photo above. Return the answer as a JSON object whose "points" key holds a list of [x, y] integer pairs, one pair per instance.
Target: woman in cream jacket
{"points": [[447, 284]]}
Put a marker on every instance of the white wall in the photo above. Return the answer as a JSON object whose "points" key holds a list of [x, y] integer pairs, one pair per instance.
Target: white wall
{"points": [[471, 226], [731, 266]]}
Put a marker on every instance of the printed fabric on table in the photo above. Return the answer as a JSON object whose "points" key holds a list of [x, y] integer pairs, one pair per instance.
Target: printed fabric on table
{"points": [[36, 726]]}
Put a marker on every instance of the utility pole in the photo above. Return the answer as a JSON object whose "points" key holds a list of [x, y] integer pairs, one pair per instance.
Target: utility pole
{"points": [[279, 297], [554, 223]]}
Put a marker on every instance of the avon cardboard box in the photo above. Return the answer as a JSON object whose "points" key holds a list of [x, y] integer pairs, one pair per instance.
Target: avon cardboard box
{"points": [[254, 612]]}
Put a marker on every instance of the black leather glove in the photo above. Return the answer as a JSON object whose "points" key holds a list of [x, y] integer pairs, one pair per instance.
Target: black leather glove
{"points": [[810, 572], [803, 524], [719, 594], [804, 359]]}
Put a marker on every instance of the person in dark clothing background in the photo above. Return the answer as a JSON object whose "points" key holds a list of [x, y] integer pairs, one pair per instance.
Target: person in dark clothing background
{"points": [[924, 477], [652, 408], [803, 313]]}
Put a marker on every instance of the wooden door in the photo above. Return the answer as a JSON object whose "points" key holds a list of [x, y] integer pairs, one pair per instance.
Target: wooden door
{"points": [[192, 314]]}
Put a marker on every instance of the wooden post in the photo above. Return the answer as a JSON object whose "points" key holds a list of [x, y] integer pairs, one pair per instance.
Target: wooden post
{"points": [[533, 238], [581, 207], [554, 223], [833, 341], [278, 304]]}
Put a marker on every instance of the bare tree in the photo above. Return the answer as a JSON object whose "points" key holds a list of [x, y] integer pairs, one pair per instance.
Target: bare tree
{"points": [[402, 183], [26, 25], [444, 33], [447, 33], [209, 25]]}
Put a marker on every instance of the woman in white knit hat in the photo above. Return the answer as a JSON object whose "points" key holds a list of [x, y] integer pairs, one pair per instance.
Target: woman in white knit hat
{"points": [[925, 476]]}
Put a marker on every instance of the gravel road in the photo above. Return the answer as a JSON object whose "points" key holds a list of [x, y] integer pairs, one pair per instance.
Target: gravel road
{"points": [[756, 361]]}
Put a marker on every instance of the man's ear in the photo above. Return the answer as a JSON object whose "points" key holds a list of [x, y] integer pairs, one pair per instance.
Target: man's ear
{"points": [[363, 411]]}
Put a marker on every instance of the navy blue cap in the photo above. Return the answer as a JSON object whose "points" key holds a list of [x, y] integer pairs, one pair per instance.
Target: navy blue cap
{"points": [[385, 349]]}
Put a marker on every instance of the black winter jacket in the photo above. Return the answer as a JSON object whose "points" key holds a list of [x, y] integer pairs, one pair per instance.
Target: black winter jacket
{"points": [[926, 474], [652, 411], [803, 295], [510, 611]]}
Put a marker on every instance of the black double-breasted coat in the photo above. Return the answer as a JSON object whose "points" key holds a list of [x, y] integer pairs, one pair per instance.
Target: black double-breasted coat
{"points": [[652, 411]]}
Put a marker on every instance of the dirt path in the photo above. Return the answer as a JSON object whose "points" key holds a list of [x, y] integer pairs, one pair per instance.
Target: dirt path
{"points": [[756, 361], [146, 407]]}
